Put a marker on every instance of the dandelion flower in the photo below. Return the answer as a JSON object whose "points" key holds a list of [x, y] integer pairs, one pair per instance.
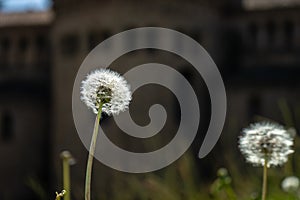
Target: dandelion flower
{"points": [[102, 91], [290, 184], [266, 142], [106, 87]]}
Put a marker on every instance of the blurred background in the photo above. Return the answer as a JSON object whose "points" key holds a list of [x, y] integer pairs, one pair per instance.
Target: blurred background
{"points": [[255, 44]]}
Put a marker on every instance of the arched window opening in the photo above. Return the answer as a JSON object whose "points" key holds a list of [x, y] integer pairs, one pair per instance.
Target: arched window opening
{"points": [[69, 44], [289, 29], [7, 126], [271, 28], [253, 30]]}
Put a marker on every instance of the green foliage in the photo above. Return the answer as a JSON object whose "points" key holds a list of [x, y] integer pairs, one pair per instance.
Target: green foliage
{"points": [[176, 182], [221, 187], [181, 180]]}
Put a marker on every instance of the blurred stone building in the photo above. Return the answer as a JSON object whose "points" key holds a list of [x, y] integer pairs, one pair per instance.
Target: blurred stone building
{"points": [[256, 49], [25, 103]]}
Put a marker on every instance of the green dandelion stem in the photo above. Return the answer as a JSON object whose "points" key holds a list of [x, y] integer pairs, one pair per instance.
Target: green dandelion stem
{"points": [[91, 155], [265, 177], [66, 178]]}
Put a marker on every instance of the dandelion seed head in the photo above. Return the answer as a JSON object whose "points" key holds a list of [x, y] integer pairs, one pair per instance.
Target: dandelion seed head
{"points": [[290, 184], [107, 87], [266, 141]]}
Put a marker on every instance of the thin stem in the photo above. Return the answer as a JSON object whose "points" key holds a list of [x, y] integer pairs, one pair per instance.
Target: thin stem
{"points": [[66, 160], [265, 177], [66, 178], [91, 155]]}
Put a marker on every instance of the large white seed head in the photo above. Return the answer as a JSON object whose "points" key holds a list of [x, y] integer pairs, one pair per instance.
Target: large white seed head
{"points": [[106, 87], [266, 142]]}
